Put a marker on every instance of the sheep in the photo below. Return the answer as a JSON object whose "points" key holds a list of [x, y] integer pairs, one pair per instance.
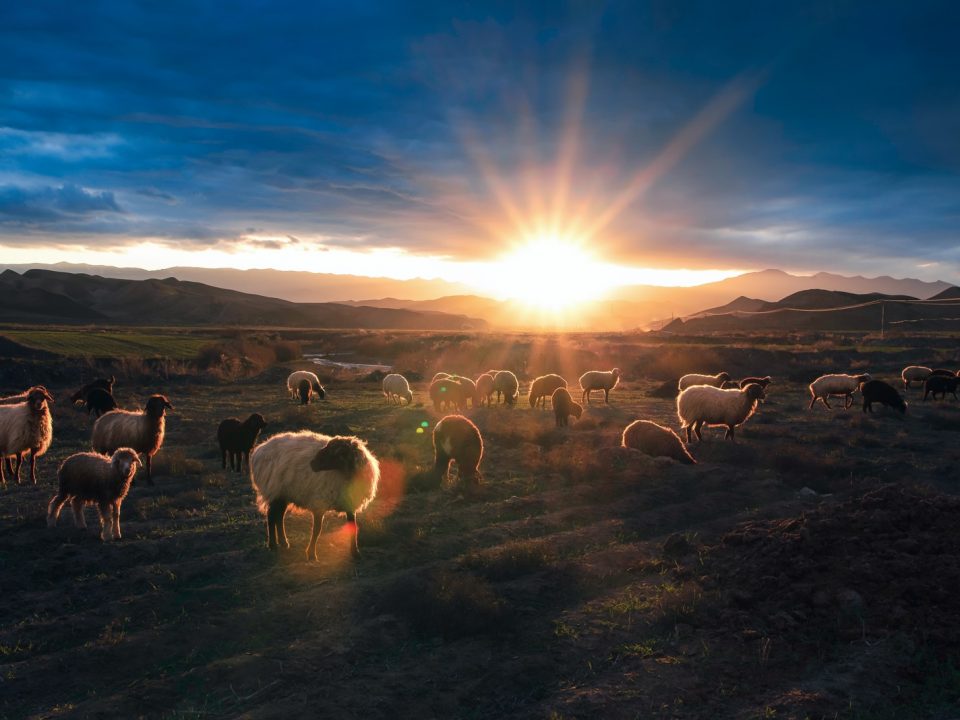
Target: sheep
{"points": [[316, 473], [877, 391], [293, 383], [762, 382], [80, 396], [838, 385], [704, 404], [396, 386], [141, 430], [656, 440], [456, 438], [90, 478], [914, 373], [441, 376], [543, 387], [505, 383], [940, 384], [445, 392], [237, 438], [468, 391], [945, 373], [304, 390], [99, 401], [25, 424], [564, 406], [599, 380], [484, 385], [698, 379]]}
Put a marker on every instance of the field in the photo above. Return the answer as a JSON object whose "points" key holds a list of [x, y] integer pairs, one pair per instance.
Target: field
{"points": [[809, 570], [111, 343]]}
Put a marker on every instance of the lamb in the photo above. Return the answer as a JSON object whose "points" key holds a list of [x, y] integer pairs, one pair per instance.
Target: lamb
{"points": [[237, 438], [564, 406], [914, 373], [505, 383], [704, 404], [484, 385], [445, 392], [838, 385], [656, 440], [304, 390], [80, 396], [99, 401], [25, 424], [940, 384], [316, 473], [698, 379], [543, 387], [396, 386], [877, 391], [762, 382], [141, 430], [293, 383], [599, 380], [456, 438], [89, 478]]}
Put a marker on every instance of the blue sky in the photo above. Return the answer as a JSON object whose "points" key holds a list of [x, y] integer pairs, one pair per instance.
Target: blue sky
{"points": [[828, 137]]}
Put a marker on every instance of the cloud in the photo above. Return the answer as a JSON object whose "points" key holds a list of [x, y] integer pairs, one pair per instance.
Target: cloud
{"points": [[51, 205]]}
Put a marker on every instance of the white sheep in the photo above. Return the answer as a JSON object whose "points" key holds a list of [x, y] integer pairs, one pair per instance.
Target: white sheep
{"points": [[837, 385], [316, 473], [90, 478], [293, 383], [505, 383], [604, 380], [142, 430], [701, 405], [697, 379], [25, 424], [914, 373], [396, 386], [655, 440]]}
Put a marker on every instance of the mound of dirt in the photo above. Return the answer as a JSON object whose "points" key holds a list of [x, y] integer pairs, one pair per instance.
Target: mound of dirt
{"points": [[884, 564]]}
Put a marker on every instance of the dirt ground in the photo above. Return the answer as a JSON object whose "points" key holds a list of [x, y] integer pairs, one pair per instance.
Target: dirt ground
{"points": [[809, 570]]}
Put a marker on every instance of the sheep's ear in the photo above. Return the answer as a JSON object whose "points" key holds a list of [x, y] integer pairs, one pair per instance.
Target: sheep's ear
{"points": [[113, 379], [47, 395]]}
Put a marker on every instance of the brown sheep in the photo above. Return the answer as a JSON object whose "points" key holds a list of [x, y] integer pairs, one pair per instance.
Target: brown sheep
{"points": [[456, 438], [543, 387], [656, 440], [564, 406]]}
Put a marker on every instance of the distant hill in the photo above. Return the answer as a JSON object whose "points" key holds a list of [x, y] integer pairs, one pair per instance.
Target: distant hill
{"points": [[951, 293], [45, 296], [816, 310]]}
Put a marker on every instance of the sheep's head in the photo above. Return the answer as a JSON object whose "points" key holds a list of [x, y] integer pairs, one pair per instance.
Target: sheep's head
{"points": [[616, 373], [125, 461], [105, 383], [37, 396], [861, 379], [723, 377], [156, 406], [318, 389], [408, 395], [341, 453], [754, 391], [901, 405], [577, 409], [256, 422]]}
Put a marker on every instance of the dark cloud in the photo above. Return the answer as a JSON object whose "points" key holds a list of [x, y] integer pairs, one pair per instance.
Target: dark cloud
{"points": [[51, 205]]}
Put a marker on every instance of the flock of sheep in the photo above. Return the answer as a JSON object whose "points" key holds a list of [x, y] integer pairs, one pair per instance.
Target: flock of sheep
{"points": [[320, 474]]}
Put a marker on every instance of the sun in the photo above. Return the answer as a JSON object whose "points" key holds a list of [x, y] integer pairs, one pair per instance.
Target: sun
{"points": [[549, 272]]}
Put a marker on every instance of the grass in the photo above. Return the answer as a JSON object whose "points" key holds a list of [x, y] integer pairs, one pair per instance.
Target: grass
{"points": [[112, 344]]}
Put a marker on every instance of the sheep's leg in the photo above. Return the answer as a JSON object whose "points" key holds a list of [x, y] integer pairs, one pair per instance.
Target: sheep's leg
{"points": [[16, 471], [275, 532], [223, 458], [149, 471], [116, 521], [824, 401], [78, 519], [54, 508], [848, 401], [813, 401], [696, 429], [3, 476], [355, 542], [106, 520], [314, 534], [606, 396], [729, 434]]}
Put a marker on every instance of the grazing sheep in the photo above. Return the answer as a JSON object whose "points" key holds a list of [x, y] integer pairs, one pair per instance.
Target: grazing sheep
{"points": [[838, 385], [914, 373], [445, 393], [604, 380], [468, 391], [484, 389], [456, 438], [701, 405], [762, 382], [698, 379], [293, 384], [80, 396], [656, 441], [99, 401], [25, 424], [237, 438], [941, 385], [316, 473], [543, 387], [505, 383], [304, 390], [396, 386], [141, 430], [89, 478], [564, 406], [877, 391]]}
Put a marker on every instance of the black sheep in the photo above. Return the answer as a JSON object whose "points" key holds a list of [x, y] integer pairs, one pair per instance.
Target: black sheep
{"points": [[304, 390], [100, 401], [940, 385], [237, 438], [877, 391], [80, 396]]}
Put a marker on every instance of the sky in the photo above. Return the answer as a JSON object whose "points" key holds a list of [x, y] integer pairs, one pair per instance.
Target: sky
{"points": [[669, 142]]}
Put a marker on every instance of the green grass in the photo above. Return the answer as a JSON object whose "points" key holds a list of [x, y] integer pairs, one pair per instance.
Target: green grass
{"points": [[112, 344]]}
